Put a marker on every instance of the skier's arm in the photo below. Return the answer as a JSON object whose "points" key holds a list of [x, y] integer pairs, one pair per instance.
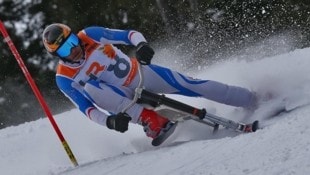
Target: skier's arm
{"points": [[114, 36], [103, 35], [73, 91]]}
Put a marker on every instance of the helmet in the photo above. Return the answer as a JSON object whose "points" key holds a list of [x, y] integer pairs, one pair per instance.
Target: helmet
{"points": [[54, 35]]}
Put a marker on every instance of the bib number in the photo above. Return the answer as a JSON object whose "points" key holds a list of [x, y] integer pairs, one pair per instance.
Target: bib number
{"points": [[121, 68]]}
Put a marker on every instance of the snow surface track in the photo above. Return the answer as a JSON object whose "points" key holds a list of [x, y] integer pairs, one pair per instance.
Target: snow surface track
{"points": [[281, 147]]}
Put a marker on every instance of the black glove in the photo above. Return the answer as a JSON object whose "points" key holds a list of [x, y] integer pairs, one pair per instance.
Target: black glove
{"points": [[118, 122], [144, 53]]}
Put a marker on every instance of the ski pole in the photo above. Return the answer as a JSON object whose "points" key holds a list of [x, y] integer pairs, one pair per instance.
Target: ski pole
{"points": [[137, 90], [36, 91]]}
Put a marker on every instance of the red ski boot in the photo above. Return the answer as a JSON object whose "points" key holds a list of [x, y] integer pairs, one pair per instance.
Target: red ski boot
{"points": [[152, 122]]}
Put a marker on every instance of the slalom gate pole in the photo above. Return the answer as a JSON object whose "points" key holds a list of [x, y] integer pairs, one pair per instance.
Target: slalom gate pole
{"points": [[36, 91]]}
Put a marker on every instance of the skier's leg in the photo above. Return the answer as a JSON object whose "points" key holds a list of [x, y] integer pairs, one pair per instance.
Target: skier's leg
{"points": [[114, 99], [162, 80]]}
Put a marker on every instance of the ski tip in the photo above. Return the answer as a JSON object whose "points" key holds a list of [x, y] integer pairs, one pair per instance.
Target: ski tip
{"points": [[255, 126]]}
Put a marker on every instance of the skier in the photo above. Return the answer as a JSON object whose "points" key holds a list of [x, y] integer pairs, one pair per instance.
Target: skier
{"points": [[96, 75]]}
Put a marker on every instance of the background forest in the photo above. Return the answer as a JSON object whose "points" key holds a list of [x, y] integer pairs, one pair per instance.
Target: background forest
{"points": [[201, 32]]}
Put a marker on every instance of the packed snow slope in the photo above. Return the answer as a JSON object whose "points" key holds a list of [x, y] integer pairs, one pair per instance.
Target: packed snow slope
{"points": [[280, 147]]}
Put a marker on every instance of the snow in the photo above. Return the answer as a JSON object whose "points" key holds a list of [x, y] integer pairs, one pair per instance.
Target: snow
{"points": [[281, 147]]}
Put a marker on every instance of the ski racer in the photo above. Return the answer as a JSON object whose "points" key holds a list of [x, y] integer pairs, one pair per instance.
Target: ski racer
{"points": [[101, 80]]}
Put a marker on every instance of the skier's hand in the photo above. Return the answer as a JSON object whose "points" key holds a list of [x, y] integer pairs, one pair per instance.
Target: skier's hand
{"points": [[118, 122], [144, 53]]}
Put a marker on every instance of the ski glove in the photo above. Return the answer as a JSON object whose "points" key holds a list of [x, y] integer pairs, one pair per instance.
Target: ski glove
{"points": [[144, 53], [118, 122]]}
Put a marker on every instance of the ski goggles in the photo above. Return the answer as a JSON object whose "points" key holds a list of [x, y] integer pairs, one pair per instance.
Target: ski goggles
{"points": [[65, 49]]}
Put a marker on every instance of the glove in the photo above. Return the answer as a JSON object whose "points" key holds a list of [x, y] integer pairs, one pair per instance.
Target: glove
{"points": [[144, 53], [118, 122]]}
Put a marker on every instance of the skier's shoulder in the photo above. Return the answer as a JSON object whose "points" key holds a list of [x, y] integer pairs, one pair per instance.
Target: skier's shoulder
{"points": [[65, 77], [67, 69]]}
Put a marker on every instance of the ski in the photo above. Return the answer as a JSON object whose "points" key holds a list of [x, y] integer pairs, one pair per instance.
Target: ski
{"points": [[237, 126], [165, 133]]}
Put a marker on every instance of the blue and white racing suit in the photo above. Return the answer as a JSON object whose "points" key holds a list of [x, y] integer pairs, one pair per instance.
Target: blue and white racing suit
{"points": [[106, 79]]}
